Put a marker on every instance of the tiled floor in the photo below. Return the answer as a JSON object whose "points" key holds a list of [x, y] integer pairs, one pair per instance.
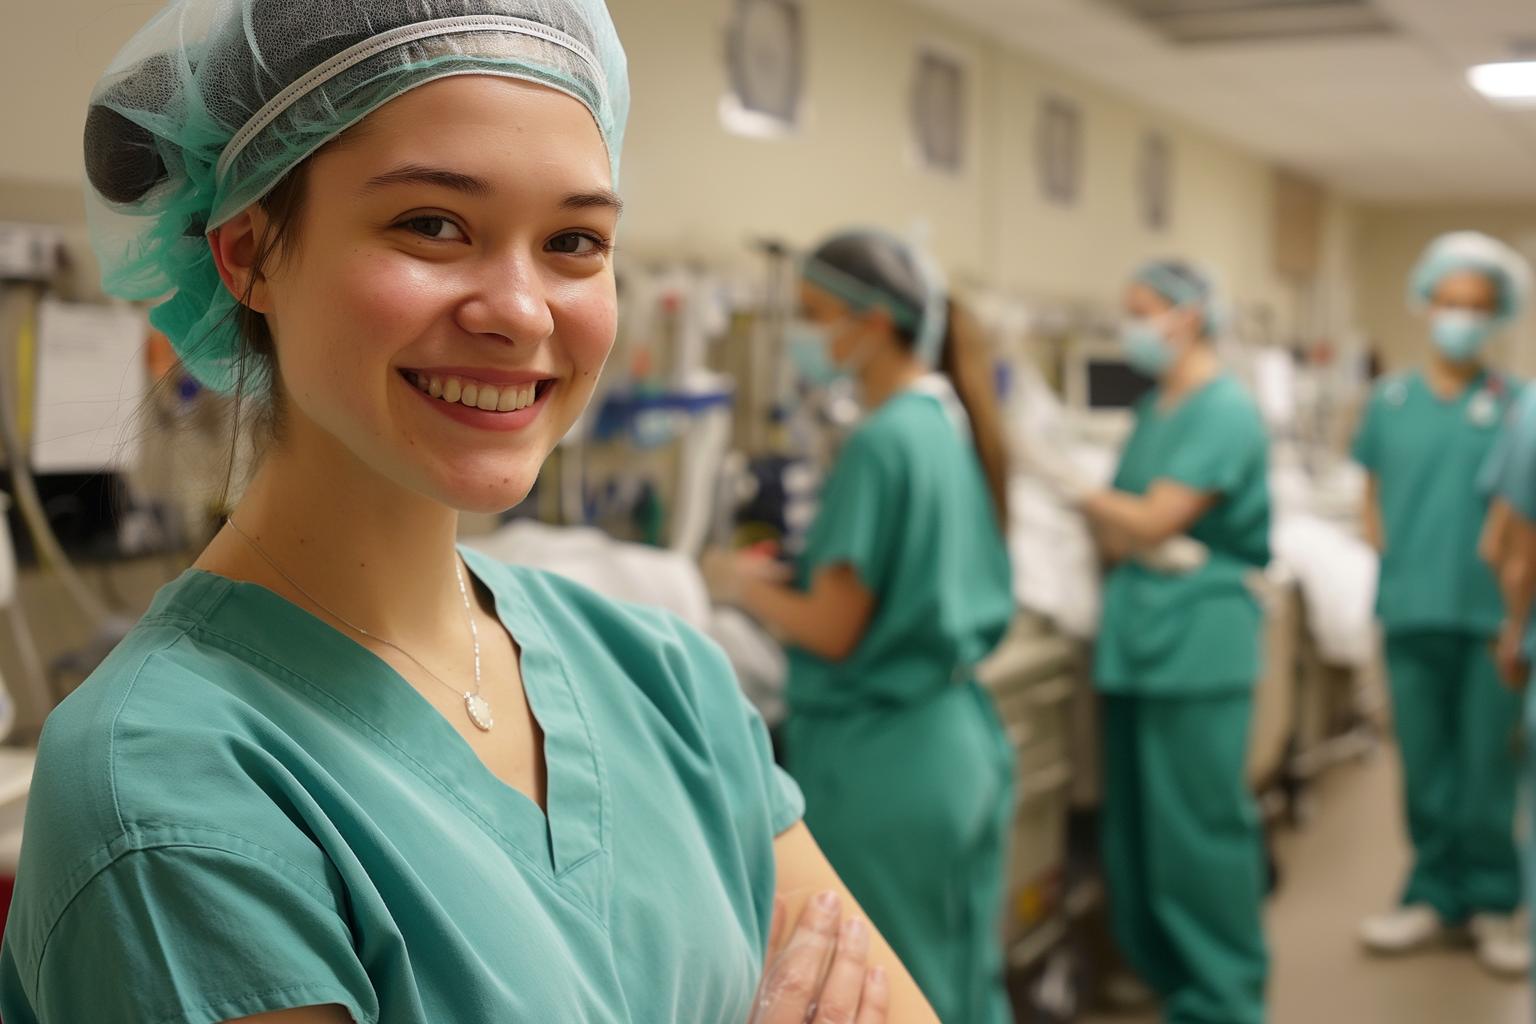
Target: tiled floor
{"points": [[1347, 863]]}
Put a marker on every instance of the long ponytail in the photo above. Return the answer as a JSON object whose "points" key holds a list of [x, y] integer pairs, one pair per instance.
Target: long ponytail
{"points": [[964, 361]]}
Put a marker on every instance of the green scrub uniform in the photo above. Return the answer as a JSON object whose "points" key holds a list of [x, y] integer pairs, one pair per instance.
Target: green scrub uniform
{"points": [[1176, 661], [1440, 607], [244, 811], [906, 769]]}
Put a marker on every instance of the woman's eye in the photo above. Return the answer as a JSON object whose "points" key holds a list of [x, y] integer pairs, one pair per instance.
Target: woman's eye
{"points": [[578, 243], [439, 229]]}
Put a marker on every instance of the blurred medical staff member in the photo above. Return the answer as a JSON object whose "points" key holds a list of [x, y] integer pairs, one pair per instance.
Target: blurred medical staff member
{"points": [[904, 586], [1425, 438], [1185, 522], [1510, 546]]}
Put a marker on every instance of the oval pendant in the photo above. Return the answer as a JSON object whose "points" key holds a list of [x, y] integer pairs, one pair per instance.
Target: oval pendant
{"points": [[479, 710]]}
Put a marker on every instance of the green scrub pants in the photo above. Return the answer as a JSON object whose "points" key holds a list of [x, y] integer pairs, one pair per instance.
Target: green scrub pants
{"points": [[1457, 729], [912, 806], [1183, 853]]}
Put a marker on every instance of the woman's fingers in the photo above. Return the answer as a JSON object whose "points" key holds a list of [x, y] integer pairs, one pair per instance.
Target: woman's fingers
{"points": [[792, 982], [876, 1001], [844, 987]]}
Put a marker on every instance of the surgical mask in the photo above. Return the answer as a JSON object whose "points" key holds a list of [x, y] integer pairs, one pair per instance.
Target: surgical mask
{"points": [[810, 346], [1145, 347], [1460, 334]]}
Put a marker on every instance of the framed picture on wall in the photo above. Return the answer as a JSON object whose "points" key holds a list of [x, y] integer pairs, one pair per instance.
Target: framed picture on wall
{"points": [[939, 109], [1059, 150], [1154, 181], [765, 68]]}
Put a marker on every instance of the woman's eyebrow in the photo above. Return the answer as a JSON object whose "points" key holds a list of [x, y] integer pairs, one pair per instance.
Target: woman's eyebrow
{"points": [[601, 198], [418, 174]]}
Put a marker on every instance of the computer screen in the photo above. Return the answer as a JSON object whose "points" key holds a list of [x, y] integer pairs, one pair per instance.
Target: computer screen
{"points": [[1112, 384]]}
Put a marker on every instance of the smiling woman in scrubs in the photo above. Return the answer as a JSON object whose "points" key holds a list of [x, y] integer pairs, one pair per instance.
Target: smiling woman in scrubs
{"points": [[903, 587], [344, 770], [1425, 440], [1185, 522]]}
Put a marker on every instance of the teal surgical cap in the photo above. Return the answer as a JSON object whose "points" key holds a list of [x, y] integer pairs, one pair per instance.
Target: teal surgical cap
{"points": [[213, 102], [1184, 286], [869, 268], [1463, 251]]}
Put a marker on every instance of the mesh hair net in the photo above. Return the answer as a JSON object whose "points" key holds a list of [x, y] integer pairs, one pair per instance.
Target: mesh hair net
{"points": [[871, 268], [1469, 250], [213, 102], [1183, 285]]}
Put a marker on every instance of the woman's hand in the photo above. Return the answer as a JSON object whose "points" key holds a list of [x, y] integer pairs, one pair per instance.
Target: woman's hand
{"points": [[728, 573], [1176, 556], [798, 985], [1509, 655]]}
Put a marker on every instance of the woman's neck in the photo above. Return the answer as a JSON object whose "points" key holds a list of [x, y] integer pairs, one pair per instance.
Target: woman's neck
{"points": [[1194, 369], [887, 375], [1449, 378], [362, 548]]}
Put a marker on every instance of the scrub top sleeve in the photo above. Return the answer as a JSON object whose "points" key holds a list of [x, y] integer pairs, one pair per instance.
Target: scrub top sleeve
{"points": [[1496, 465], [192, 934], [740, 737], [1515, 479], [851, 525], [1214, 457]]}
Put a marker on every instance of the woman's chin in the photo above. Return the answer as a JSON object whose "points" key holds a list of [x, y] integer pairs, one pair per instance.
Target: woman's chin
{"points": [[490, 498], [488, 489]]}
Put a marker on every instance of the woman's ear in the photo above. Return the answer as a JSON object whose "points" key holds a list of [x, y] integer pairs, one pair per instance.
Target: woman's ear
{"points": [[1190, 322], [878, 320], [236, 246]]}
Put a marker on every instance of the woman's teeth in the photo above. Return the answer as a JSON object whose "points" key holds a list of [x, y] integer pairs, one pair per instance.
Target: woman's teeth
{"points": [[509, 398]]}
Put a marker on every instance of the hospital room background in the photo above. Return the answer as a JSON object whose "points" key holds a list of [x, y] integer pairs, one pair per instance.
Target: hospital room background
{"points": [[1302, 156]]}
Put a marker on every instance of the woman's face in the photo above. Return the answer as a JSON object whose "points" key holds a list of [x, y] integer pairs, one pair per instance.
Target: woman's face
{"points": [[1143, 303], [851, 337], [449, 300], [1467, 290]]}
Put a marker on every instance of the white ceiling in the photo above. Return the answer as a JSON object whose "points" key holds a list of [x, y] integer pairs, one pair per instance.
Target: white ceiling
{"points": [[1387, 118]]}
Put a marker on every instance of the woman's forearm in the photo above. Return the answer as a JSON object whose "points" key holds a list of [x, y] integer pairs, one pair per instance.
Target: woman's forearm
{"points": [[793, 614], [1517, 584], [1113, 545], [829, 620], [1129, 521], [1493, 545]]}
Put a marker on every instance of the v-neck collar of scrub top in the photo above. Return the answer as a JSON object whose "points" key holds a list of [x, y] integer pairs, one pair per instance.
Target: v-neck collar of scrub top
{"points": [[362, 689], [1477, 385], [1164, 412]]}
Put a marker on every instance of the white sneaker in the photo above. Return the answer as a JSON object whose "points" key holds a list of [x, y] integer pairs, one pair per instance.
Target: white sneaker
{"points": [[1503, 943], [1403, 930]]}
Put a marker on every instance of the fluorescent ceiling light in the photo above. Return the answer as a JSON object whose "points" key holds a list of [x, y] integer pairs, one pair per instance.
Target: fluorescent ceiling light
{"points": [[1507, 82]]}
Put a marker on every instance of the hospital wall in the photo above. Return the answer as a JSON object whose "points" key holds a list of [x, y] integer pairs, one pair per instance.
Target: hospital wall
{"points": [[1390, 239], [695, 190]]}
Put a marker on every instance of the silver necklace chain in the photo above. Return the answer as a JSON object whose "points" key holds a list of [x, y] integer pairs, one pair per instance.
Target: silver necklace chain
{"points": [[475, 705]]}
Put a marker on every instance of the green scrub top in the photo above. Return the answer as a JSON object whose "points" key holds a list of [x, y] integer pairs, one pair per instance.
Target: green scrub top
{"points": [[907, 506], [1428, 456], [1192, 633], [244, 811]]}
